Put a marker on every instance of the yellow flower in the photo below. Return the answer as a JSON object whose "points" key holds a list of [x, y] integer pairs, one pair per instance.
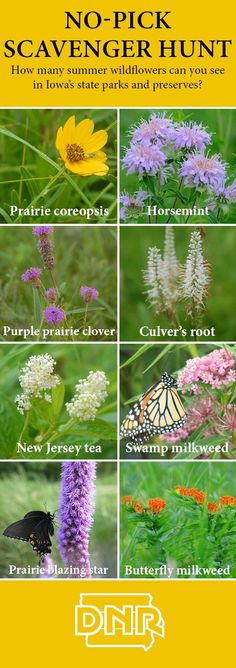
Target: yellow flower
{"points": [[79, 148]]}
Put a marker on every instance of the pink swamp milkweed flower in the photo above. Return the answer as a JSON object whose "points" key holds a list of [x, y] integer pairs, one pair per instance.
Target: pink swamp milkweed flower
{"points": [[76, 513]]}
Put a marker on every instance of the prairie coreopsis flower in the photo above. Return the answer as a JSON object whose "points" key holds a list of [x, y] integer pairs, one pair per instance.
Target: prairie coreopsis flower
{"points": [[79, 147], [76, 512], [195, 275], [36, 376], [90, 393], [54, 314]]}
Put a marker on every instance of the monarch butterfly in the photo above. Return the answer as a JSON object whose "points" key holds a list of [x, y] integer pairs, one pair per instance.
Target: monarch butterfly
{"points": [[34, 528], [158, 411]]}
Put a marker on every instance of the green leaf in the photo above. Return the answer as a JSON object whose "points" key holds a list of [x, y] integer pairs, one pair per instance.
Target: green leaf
{"points": [[37, 309], [11, 426], [58, 393], [5, 216], [91, 429]]}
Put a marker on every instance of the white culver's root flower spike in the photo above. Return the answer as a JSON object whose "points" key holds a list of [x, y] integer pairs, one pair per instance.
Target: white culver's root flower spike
{"points": [[196, 272], [152, 276], [36, 376], [90, 393], [162, 275]]}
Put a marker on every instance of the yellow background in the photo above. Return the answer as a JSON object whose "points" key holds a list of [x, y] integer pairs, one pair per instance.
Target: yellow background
{"points": [[46, 20], [38, 624]]}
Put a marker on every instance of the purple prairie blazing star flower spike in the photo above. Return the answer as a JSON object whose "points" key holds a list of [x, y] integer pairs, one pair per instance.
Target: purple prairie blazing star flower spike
{"points": [[144, 159], [192, 136], [88, 294], [39, 230], [54, 314], [51, 295], [33, 276], [76, 511], [203, 171]]}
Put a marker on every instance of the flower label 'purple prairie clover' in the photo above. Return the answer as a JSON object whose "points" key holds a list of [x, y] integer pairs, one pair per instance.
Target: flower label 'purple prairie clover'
{"points": [[54, 314], [76, 511], [88, 294], [33, 276]]}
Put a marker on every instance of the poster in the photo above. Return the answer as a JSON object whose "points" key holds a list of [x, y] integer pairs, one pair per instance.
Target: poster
{"points": [[117, 332]]}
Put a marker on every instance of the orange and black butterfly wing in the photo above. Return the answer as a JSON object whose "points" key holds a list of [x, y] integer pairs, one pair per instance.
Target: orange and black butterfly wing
{"points": [[137, 426]]}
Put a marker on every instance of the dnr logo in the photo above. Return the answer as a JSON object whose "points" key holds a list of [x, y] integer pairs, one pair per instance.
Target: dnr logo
{"points": [[118, 620]]}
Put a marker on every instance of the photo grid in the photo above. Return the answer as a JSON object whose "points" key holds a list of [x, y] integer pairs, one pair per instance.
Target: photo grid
{"points": [[117, 343]]}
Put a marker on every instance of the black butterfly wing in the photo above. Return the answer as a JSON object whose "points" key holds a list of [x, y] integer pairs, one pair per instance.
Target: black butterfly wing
{"points": [[39, 537], [21, 529], [37, 514]]}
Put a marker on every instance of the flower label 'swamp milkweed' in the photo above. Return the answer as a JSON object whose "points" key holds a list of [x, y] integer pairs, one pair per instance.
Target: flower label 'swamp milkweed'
{"points": [[158, 411]]}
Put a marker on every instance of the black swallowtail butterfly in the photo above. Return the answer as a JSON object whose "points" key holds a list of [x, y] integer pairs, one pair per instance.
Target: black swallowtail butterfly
{"points": [[34, 528]]}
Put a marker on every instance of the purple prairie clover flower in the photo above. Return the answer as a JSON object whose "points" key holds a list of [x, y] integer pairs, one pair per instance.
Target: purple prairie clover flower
{"points": [[33, 276], [88, 293], [132, 204], [192, 136], [144, 159], [40, 230], [53, 314], [203, 171], [217, 369], [51, 295], [76, 512], [156, 129]]}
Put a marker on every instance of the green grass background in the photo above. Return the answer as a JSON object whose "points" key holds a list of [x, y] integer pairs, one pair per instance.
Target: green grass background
{"points": [[23, 172], [220, 122], [28, 486], [219, 249], [82, 257]]}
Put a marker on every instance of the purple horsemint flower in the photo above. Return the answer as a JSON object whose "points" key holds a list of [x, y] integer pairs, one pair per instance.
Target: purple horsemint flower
{"points": [[132, 204], [203, 171], [156, 129], [144, 158], [192, 136], [39, 230], [54, 314], [51, 295], [33, 276], [76, 511], [88, 294]]}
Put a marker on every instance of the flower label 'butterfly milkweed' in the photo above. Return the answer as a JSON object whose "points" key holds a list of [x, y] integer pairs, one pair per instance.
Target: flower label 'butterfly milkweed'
{"points": [[34, 528], [158, 411]]}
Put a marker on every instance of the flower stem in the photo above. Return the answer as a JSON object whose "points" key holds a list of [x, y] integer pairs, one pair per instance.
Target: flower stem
{"points": [[44, 191]]}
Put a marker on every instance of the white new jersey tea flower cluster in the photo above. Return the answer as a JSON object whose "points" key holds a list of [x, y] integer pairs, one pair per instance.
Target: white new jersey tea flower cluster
{"points": [[36, 376], [90, 393]]}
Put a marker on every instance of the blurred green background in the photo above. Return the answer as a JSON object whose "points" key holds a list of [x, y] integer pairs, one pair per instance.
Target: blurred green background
{"points": [[219, 249], [72, 363], [150, 480], [220, 122], [28, 486], [82, 257], [24, 174]]}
